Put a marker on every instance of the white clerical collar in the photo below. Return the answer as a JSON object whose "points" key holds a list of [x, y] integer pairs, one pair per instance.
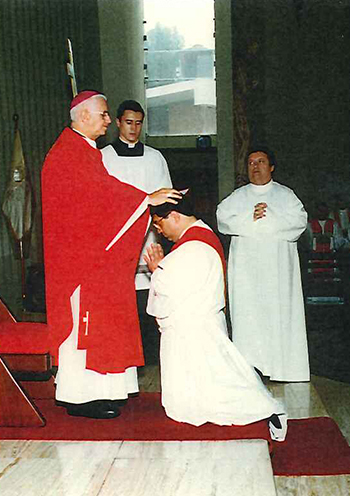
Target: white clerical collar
{"points": [[130, 145], [197, 223], [89, 140], [261, 188]]}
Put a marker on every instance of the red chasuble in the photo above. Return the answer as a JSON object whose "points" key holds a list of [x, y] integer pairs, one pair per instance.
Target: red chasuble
{"points": [[83, 209]]}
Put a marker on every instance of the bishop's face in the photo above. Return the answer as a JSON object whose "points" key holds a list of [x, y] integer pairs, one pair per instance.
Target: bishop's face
{"points": [[259, 168], [99, 119]]}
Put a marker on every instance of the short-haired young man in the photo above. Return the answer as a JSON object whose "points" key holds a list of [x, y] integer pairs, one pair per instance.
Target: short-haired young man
{"points": [[204, 378]]}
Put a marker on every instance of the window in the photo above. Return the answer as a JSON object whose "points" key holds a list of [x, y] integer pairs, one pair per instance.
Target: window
{"points": [[180, 67]]}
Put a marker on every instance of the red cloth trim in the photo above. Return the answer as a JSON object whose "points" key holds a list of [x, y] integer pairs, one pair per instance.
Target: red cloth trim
{"points": [[24, 338], [83, 208]]}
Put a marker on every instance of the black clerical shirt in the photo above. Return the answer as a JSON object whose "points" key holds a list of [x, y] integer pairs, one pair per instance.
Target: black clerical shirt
{"points": [[124, 150]]}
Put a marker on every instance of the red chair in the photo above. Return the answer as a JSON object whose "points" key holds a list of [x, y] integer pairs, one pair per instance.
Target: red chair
{"points": [[24, 355]]}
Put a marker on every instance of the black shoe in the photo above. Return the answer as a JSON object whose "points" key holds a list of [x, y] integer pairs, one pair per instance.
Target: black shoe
{"points": [[99, 409], [118, 403], [275, 421], [261, 375]]}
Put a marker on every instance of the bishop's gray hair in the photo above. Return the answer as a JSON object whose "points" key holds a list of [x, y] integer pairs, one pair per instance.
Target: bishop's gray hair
{"points": [[75, 112]]}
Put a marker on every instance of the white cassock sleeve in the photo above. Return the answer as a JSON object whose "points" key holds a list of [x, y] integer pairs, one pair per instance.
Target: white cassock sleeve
{"points": [[286, 218], [234, 217], [148, 173], [163, 179]]}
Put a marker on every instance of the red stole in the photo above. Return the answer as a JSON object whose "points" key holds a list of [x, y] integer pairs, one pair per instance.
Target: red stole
{"points": [[83, 209], [207, 236]]}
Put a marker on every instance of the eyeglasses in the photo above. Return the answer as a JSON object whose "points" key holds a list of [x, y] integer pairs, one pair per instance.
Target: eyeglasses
{"points": [[105, 114], [157, 223]]}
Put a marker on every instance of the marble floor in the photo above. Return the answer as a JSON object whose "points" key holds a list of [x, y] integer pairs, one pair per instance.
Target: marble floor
{"points": [[225, 468]]}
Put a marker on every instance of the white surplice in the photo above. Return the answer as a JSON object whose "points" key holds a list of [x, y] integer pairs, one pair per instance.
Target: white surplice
{"points": [[204, 378], [149, 173], [264, 282]]}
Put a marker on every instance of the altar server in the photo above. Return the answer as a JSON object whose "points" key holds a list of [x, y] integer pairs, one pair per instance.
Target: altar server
{"points": [[132, 162], [265, 220], [204, 378], [94, 227]]}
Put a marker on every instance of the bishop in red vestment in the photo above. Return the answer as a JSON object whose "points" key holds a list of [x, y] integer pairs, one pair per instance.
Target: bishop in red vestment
{"points": [[83, 210]]}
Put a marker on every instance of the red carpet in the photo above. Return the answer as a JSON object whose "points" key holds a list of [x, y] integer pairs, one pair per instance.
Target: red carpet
{"points": [[313, 446], [143, 419]]}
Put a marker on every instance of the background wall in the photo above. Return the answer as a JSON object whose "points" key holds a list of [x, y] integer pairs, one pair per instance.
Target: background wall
{"points": [[34, 85], [121, 38], [298, 97], [197, 170]]}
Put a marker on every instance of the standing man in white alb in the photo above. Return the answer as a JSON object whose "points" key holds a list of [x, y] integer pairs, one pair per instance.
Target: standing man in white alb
{"points": [[265, 220], [132, 162]]}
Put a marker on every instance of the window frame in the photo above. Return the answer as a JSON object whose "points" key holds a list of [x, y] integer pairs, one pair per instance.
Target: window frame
{"points": [[176, 141]]}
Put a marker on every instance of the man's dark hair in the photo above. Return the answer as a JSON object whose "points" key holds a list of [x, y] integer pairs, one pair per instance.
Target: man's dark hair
{"points": [[264, 149], [321, 205], [184, 206], [129, 105]]}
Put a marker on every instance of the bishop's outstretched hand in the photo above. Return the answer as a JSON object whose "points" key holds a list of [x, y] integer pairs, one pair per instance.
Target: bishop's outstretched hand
{"points": [[164, 195]]}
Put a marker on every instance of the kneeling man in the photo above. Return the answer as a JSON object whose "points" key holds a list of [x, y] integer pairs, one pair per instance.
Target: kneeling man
{"points": [[204, 378]]}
